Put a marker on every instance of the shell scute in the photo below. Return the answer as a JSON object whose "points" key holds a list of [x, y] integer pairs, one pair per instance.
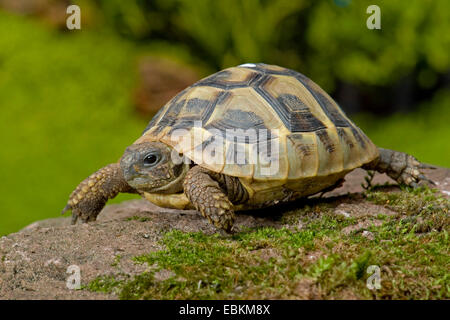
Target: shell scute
{"points": [[312, 135]]}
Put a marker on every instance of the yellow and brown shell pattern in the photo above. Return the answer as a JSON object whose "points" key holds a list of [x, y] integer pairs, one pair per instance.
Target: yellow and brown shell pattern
{"points": [[314, 137]]}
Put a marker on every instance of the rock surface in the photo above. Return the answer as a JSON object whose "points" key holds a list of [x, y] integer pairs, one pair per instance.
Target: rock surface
{"points": [[34, 261]]}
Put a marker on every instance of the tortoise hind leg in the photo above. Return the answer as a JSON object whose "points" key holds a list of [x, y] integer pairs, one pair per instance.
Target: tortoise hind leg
{"points": [[400, 166]]}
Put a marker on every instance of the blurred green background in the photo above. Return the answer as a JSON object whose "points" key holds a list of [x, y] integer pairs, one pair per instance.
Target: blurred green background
{"points": [[71, 101]]}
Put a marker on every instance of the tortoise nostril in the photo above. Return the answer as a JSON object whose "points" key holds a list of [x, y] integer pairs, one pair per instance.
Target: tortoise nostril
{"points": [[128, 158]]}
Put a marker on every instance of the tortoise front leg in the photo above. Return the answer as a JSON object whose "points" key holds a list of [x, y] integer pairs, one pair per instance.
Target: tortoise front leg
{"points": [[212, 194], [91, 195], [400, 166]]}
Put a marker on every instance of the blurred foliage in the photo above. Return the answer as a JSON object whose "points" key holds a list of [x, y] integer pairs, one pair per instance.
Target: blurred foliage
{"points": [[424, 133], [412, 36], [65, 112], [327, 40]]}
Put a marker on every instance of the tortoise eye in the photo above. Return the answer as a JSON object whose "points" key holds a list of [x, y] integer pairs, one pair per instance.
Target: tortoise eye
{"points": [[151, 159]]}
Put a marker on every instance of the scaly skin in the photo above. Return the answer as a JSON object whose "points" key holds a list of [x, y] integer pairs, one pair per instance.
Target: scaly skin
{"points": [[400, 166], [210, 193], [91, 195]]}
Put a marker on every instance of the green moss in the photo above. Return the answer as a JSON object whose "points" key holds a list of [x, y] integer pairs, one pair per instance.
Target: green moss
{"points": [[138, 287], [212, 267], [318, 216], [116, 261], [411, 250], [137, 218], [410, 201], [318, 269], [425, 210], [307, 208], [360, 264], [105, 284], [280, 238]]}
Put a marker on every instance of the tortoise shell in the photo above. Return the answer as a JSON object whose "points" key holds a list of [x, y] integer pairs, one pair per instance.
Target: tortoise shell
{"points": [[315, 137]]}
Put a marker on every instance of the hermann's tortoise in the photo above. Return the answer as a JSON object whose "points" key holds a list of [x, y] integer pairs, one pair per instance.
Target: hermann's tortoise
{"points": [[246, 137]]}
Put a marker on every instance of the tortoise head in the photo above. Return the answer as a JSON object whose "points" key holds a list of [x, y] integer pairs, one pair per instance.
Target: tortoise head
{"points": [[150, 167]]}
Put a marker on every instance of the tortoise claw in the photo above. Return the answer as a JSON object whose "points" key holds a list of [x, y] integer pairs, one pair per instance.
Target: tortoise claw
{"points": [[426, 166], [411, 174], [424, 178], [66, 208], [74, 218]]}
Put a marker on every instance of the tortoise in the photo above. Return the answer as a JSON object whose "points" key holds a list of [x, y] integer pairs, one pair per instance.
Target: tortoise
{"points": [[277, 137]]}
